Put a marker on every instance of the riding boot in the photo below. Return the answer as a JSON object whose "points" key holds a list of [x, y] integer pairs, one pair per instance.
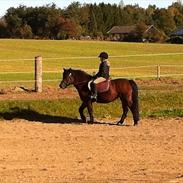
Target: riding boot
{"points": [[93, 92]]}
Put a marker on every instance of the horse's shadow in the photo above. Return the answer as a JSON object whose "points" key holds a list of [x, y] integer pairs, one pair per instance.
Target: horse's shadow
{"points": [[34, 116]]}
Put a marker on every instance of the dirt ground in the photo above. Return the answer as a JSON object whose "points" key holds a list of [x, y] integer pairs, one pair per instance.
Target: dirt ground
{"points": [[64, 152], [35, 152], [48, 92]]}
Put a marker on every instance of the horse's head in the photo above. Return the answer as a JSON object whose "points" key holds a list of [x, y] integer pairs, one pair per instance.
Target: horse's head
{"points": [[75, 77], [68, 78]]}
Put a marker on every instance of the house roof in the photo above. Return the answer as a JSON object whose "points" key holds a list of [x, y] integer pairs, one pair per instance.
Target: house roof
{"points": [[127, 29], [178, 32], [122, 29]]}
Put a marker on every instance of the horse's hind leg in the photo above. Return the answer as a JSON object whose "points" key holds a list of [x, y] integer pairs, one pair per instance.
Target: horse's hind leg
{"points": [[125, 111], [135, 112], [81, 109]]}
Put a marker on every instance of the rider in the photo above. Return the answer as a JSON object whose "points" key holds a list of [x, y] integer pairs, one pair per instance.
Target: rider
{"points": [[102, 75]]}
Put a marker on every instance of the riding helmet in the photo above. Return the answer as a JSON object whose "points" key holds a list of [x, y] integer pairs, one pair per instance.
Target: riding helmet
{"points": [[103, 55]]}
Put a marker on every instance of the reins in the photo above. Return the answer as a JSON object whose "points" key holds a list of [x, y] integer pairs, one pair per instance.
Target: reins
{"points": [[80, 83]]}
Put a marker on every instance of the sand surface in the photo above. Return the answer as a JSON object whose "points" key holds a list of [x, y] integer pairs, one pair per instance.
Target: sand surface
{"points": [[35, 152]]}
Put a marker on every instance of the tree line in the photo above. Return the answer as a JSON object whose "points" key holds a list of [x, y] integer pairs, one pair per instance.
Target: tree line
{"points": [[85, 20]]}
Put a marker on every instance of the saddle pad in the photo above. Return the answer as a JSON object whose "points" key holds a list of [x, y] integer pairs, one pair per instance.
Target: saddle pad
{"points": [[103, 86]]}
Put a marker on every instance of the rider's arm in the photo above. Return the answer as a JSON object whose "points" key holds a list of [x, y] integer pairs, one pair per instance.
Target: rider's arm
{"points": [[99, 72]]}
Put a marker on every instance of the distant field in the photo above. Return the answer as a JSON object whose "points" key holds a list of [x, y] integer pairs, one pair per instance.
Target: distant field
{"points": [[131, 55]]}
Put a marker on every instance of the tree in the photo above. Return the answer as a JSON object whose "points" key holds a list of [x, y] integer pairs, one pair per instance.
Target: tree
{"points": [[92, 24], [3, 29], [140, 29], [66, 28], [50, 22], [164, 20], [14, 22], [74, 13], [26, 32], [176, 11]]}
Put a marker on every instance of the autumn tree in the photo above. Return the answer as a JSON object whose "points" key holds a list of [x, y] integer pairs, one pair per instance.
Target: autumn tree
{"points": [[95, 20], [3, 29]]}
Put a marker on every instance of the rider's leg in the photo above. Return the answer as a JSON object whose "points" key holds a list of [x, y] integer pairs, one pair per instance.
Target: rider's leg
{"points": [[94, 87], [93, 91]]}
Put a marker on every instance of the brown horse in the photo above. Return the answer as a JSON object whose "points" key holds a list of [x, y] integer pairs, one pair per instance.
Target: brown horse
{"points": [[124, 89]]}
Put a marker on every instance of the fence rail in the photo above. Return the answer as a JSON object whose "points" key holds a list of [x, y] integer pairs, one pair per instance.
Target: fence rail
{"points": [[149, 71], [157, 75]]}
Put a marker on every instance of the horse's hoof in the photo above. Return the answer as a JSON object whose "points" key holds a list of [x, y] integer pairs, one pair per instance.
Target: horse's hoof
{"points": [[90, 122], [120, 123], [84, 121]]}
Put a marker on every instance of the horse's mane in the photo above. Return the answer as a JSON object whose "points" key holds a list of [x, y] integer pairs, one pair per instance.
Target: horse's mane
{"points": [[81, 73]]}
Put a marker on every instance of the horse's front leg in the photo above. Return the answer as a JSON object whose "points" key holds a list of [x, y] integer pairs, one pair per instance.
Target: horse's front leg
{"points": [[81, 109], [90, 111]]}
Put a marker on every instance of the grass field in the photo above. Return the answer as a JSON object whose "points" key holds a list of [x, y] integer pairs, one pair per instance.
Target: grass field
{"points": [[132, 55], [155, 100]]}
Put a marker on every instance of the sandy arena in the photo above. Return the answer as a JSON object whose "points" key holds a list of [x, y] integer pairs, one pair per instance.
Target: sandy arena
{"points": [[35, 152]]}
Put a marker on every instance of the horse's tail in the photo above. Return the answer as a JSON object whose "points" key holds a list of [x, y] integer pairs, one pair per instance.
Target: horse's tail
{"points": [[135, 104]]}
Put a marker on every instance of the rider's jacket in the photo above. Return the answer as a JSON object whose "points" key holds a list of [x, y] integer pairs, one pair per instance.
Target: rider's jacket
{"points": [[103, 70]]}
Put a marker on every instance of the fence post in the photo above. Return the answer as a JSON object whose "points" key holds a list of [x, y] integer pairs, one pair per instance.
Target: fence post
{"points": [[38, 74], [158, 72]]}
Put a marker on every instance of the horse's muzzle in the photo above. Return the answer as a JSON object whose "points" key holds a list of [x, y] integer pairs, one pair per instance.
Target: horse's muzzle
{"points": [[63, 85]]}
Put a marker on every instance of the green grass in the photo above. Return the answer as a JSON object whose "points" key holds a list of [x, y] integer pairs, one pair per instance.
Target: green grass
{"points": [[161, 104], [23, 49], [152, 104]]}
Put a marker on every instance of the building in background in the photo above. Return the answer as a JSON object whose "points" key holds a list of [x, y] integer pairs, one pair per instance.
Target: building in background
{"points": [[136, 33]]}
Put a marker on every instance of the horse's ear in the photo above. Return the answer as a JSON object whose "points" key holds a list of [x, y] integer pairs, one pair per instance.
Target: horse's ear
{"points": [[64, 69], [70, 69]]}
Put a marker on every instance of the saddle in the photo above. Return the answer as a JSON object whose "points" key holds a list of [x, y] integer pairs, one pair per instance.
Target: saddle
{"points": [[102, 86]]}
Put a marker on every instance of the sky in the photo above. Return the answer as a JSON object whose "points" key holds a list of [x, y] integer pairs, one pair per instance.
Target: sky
{"points": [[6, 4]]}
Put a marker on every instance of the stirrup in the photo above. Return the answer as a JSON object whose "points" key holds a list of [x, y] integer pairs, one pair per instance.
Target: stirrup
{"points": [[93, 98]]}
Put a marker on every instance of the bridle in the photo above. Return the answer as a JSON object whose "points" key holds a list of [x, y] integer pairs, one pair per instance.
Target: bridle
{"points": [[75, 84]]}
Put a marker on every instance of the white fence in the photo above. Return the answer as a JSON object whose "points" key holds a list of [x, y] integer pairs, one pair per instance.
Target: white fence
{"points": [[157, 74], [153, 71]]}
